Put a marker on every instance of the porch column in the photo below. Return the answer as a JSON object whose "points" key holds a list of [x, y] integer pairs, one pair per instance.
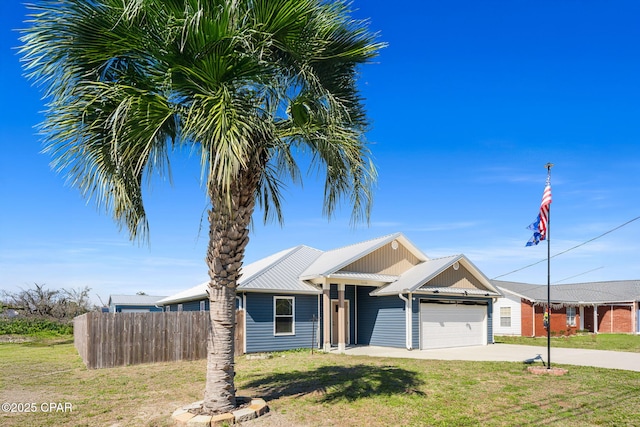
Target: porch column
{"points": [[582, 317], [326, 316], [595, 318], [341, 319]]}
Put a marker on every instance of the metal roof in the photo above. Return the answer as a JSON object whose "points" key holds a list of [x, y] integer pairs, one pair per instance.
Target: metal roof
{"points": [[578, 293], [134, 299], [276, 273], [194, 293], [289, 271], [332, 261], [283, 275]]}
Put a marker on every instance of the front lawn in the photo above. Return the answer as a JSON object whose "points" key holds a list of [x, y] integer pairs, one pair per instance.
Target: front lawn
{"points": [[317, 390], [615, 342]]}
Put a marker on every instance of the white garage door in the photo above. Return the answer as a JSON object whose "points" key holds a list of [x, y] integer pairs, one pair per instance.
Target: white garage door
{"points": [[452, 325]]}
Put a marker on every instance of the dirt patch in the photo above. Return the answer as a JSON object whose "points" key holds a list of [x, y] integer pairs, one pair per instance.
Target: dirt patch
{"points": [[15, 339], [542, 370], [273, 419]]}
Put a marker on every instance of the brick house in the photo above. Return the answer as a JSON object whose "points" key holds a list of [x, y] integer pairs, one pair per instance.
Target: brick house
{"points": [[598, 307]]}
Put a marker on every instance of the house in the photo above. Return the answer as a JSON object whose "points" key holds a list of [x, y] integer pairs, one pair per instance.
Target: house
{"points": [[383, 292], [598, 307], [134, 303]]}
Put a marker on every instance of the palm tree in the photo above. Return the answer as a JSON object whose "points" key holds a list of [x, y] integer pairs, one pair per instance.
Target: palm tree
{"points": [[247, 84]]}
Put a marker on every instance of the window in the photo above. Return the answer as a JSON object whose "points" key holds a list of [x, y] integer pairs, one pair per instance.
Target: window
{"points": [[283, 315], [505, 317], [167, 308], [179, 307], [571, 316], [202, 305]]}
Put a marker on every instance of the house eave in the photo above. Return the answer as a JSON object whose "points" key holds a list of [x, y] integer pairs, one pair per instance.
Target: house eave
{"points": [[280, 291]]}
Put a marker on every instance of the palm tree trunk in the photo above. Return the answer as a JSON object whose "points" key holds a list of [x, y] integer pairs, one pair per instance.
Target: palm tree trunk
{"points": [[228, 237]]}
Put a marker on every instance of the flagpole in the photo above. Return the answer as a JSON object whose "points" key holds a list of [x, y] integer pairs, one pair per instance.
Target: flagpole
{"points": [[547, 237]]}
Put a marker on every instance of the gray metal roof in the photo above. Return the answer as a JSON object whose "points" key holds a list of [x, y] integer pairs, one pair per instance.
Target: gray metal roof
{"points": [[194, 293], [276, 273], [134, 299], [585, 293], [283, 275], [290, 270]]}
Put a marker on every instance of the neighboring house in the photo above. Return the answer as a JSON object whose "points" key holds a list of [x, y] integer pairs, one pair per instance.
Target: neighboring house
{"points": [[9, 313], [383, 292], [599, 307], [134, 303]]}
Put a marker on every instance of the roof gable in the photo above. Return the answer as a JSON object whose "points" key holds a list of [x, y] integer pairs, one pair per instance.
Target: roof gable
{"points": [[453, 274], [388, 259], [356, 256]]}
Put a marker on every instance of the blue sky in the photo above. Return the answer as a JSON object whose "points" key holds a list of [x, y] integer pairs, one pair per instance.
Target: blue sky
{"points": [[467, 103]]}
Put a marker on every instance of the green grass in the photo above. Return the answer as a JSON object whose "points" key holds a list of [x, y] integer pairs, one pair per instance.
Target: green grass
{"points": [[615, 342], [319, 390]]}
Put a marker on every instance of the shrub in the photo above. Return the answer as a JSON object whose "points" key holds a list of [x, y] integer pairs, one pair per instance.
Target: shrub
{"points": [[33, 326]]}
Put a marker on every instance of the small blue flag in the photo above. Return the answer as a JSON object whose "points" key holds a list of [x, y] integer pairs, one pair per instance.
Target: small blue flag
{"points": [[535, 226]]}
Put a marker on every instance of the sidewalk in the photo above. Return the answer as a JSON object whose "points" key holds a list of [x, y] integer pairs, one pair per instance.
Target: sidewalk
{"points": [[512, 353]]}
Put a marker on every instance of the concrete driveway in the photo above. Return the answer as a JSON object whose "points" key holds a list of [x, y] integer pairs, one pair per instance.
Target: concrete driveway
{"points": [[512, 353]]}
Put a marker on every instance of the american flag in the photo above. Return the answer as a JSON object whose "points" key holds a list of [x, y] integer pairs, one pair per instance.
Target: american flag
{"points": [[544, 211], [539, 226]]}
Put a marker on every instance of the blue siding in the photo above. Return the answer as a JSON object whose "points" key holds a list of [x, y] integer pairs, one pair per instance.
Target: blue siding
{"points": [[260, 328], [415, 323], [350, 295], [118, 308], [381, 320], [191, 305], [490, 321]]}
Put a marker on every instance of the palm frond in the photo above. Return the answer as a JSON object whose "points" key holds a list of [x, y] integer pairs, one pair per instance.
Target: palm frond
{"points": [[246, 83]]}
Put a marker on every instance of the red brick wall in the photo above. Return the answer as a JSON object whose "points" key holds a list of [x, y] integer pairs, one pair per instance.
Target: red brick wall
{"points": [[558, 321], [614, 319], [526, 318]]}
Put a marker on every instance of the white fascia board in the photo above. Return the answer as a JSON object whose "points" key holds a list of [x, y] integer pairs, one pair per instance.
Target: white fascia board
{"points": [[515, 294], [478, 274]]}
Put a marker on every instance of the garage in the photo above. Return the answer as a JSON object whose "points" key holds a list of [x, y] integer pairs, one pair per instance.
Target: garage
{"points": [[452, 324]]}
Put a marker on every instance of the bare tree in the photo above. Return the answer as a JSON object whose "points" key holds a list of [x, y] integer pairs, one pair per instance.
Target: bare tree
{"points": [[39, 301]]}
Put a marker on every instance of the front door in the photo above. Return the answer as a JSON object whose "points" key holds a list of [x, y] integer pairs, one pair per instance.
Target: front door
{"points": [[588, 319], [334, 322]]}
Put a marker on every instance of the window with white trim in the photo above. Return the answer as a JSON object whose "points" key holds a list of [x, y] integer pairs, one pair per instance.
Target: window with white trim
{"points": [[283, 315], [505, 317], [202, 305], [571, 316], [179, 307], [167, 308]]}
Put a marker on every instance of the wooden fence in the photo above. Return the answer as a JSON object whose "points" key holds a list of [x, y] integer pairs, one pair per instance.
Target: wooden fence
{"points": [[105, 340]]}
